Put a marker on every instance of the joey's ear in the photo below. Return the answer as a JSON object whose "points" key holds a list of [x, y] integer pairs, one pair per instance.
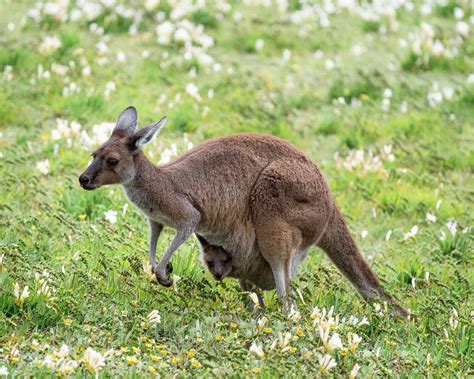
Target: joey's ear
{"points": [[145, 134], [127, 120], [202, 241]]}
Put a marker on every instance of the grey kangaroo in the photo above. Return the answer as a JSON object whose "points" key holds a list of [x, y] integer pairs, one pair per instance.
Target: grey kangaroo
{"points": [[254, 195]]}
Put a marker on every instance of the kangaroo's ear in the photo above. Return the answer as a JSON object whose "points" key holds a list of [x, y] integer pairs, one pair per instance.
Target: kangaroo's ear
{"points": [[202, 241], [144, 135], [127, 120]]}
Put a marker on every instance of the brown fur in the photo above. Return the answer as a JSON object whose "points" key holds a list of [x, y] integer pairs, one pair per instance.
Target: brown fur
{"points": [[255, 196]]}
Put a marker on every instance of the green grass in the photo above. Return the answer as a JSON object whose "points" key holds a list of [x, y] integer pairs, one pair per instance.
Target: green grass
{"points": [[85, 275]]}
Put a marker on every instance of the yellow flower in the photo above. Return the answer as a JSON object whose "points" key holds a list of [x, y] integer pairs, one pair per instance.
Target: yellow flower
{"points": [[268, 330], [191, 353], [136, 350], [82, 217], [67, 322], [257, 370], [155, 358], [174, 361], [132, 360], [218, 337], [233, 325], [195, 363], [152, 370], [299, 332]]}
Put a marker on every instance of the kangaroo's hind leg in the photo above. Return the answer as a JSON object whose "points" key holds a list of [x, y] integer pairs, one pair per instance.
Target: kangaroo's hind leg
{"points": [[277, 242]]}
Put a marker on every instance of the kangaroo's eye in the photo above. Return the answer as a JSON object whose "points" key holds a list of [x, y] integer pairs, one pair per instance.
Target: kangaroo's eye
{"points": [[227, 260], [111, 162], [210, 263]]}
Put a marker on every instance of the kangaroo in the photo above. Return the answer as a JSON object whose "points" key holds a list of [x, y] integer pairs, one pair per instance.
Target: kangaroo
{"points": [[219, 263], [254, 195]]}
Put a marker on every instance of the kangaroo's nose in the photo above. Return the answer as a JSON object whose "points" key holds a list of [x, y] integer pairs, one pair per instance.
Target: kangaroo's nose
{"points": [[218, 275], [84, 180]]}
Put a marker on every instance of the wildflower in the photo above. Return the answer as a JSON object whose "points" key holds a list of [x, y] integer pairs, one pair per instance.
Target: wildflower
{"points": [[111, 216], [49, 45], [93, 360], [1, 261], [462, 28], [411, 234], [452, 227], [67, 322], [335, 342], [354, 371], [454, 320], [286, 55], [294, 315], [66, 367], [388, 235], [257, 350], [430, 217], [154, 317], [353, 340], [132, 360], [329, 64], [429, 359], [148, 270], [43, 167], [20, 298], [193, 91], [326, 363], [253, 296], [259, 44], [195, 363], [364, 234], [3, 371]]}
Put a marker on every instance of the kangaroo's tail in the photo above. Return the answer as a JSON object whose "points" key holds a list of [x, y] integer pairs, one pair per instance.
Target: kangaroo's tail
{"points": [[341, 248]]}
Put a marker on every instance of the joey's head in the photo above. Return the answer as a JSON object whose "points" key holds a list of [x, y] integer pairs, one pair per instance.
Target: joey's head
{"points": [[217, 260], [114, 161]]}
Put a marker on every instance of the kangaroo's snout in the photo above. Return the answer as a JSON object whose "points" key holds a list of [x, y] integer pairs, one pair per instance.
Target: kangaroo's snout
{"points": [[86, 182]]}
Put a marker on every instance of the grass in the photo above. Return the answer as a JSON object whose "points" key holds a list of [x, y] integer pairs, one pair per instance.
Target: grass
{"points": [[87, 286]]}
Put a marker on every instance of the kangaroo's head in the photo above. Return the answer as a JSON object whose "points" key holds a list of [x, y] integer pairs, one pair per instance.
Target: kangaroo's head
{"points": [[217, 260], [114, 162]]}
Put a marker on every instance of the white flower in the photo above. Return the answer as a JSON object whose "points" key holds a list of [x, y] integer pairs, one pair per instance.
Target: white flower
{"points": [[294, 315], [259, 44], [412, 233], [430, 217], [353, 340], [111, 216], [388, 235], [326, 363], [193, 91], [364, 234], [253, 296], [43, 167], [335, 342], [458, 13], [154, 317], [387, 93], [286, 55], [452, 227], [462, 28], [3, 371], [49, 45], [20, 298], [257, 350], [329, 64], [354, 371], [121, 57], [93, 360]]}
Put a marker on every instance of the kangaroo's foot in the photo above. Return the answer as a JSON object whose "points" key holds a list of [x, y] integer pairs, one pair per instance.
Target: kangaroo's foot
{"points": [[162, 275]]}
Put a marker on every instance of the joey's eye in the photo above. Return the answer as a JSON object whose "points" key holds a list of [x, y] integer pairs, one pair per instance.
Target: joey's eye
{"points": [[111, 162], [210, 263], [227, 260]]}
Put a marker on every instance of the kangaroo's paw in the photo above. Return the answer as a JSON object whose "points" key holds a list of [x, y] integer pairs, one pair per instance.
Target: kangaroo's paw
{"points": [[162, 276]]}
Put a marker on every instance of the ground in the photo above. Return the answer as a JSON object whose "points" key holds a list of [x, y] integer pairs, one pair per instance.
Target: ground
{"points": [[379, 94]]}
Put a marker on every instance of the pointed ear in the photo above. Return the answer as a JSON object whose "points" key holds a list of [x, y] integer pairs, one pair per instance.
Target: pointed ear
{"points": [[144, 135], [127, 120], [202, 241]]}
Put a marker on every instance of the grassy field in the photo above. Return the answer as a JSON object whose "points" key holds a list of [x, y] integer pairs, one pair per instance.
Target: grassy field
{"points": [[380, 95]]}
